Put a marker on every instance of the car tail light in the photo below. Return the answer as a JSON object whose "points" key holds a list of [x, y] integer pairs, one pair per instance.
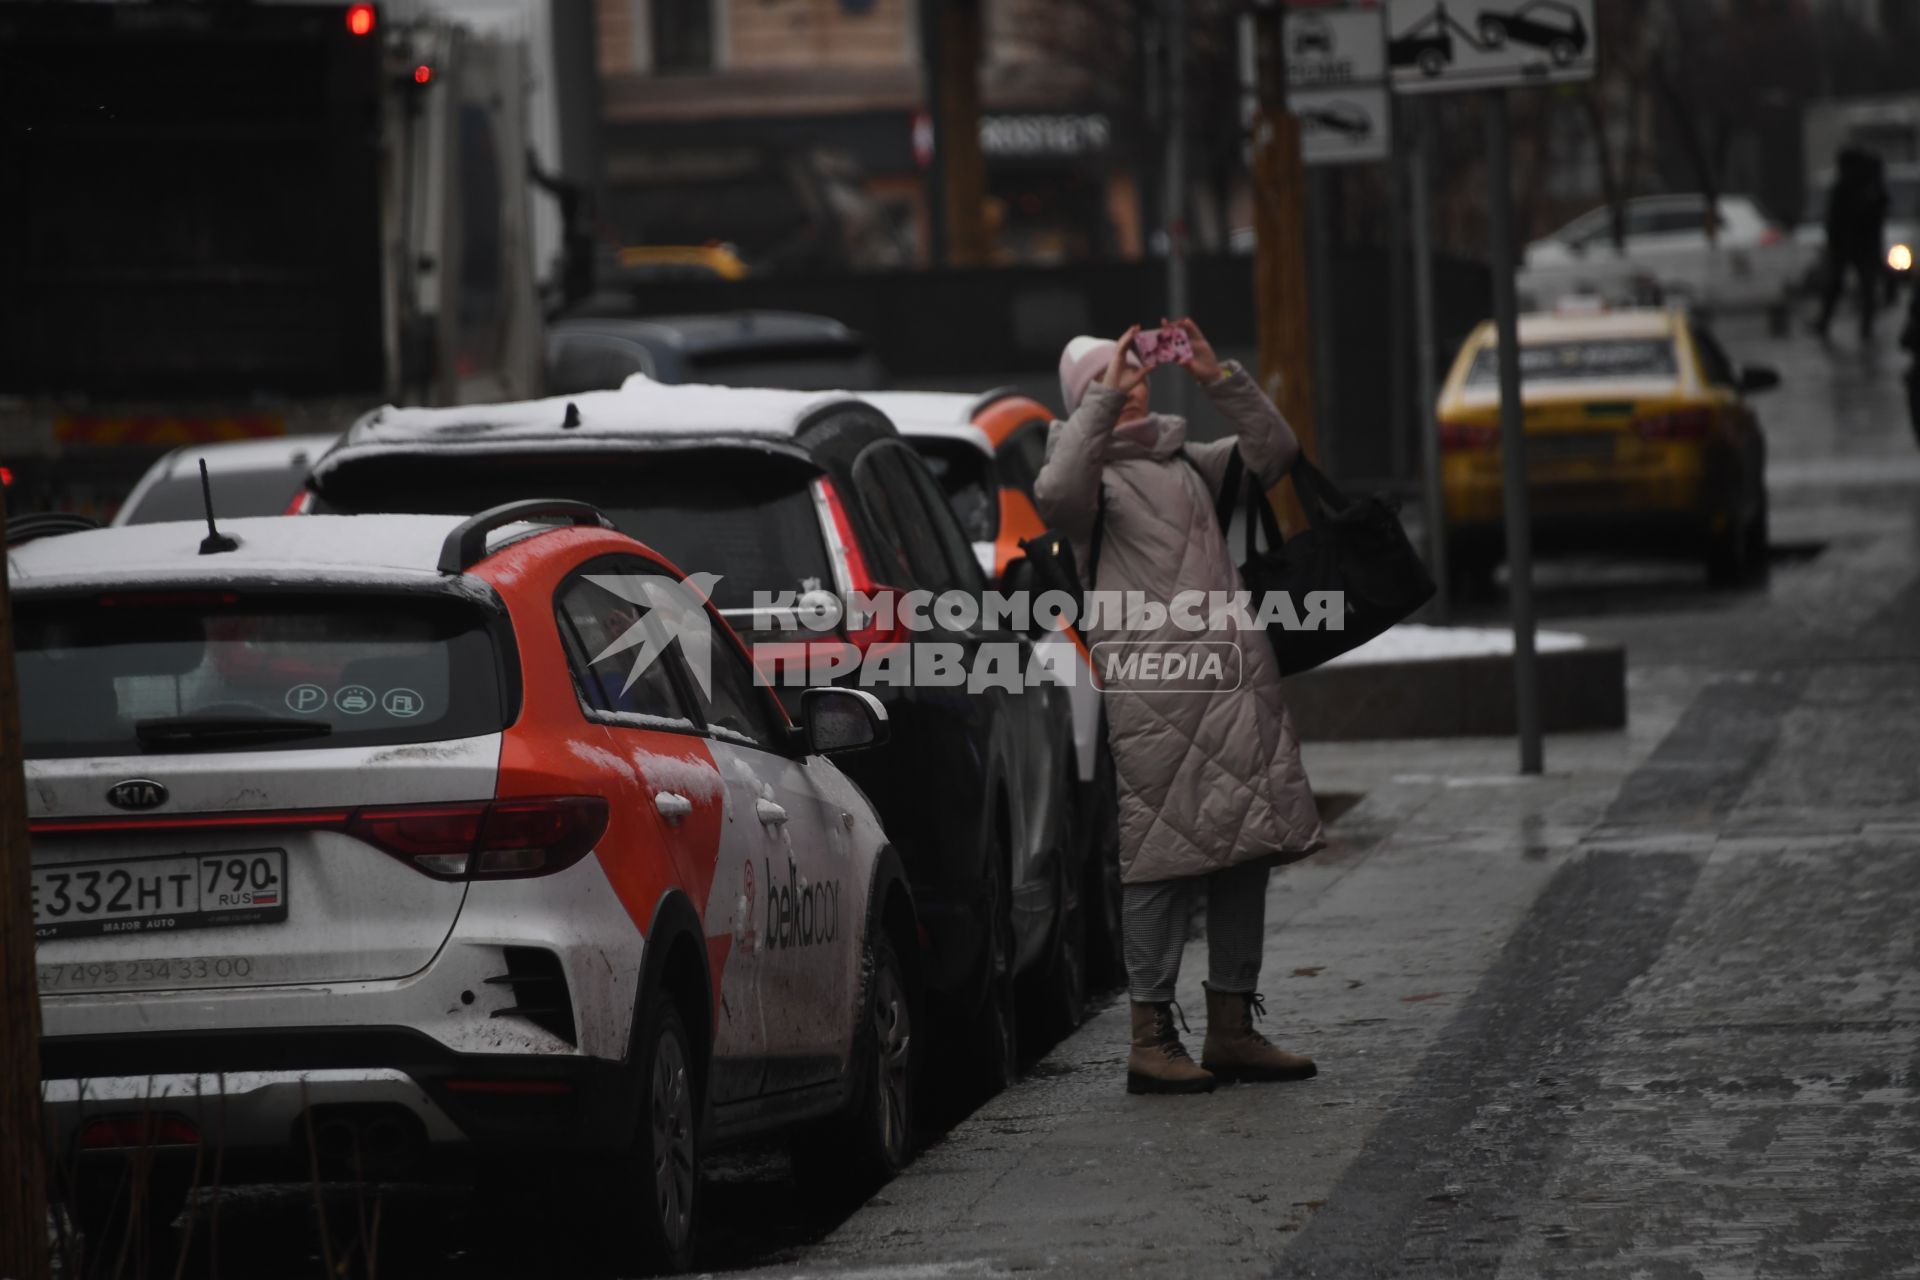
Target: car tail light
{"points": [[360, 19], [1456, 437], [500, 840], [300, 504], [1771, 235], [144, 1130], [863, 633], [1681, 424]]}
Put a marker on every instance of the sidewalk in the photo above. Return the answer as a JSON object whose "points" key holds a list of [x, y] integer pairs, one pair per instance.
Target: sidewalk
{"points": [[1372, 945]]}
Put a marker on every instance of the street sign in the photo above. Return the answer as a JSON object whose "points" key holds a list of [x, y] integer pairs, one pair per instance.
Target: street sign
{"points": [[1343, 126], [1334, 46], [1437, 46], [1336, 84]]}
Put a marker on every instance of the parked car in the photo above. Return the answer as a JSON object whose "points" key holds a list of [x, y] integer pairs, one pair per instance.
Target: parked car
{"points": [[733, 349], [353, 842], [985, 452], [816, 496], [1750, 265], [1639, 437], [1544, 24], [248, 478]]}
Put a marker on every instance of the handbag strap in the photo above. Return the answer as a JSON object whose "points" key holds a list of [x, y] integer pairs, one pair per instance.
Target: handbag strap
{"points": [[1099, 536]]}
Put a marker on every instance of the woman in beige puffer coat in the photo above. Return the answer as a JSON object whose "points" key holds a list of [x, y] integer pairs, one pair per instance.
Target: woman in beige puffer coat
{"points": [[1211, 791]]}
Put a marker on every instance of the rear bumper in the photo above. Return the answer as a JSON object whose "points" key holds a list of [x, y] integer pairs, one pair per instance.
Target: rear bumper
{"points": [[1679, 491], [261, 1095]]}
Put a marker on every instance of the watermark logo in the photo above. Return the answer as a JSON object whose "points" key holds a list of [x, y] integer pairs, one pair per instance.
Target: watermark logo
{"points": [[1192, 642], [670, 610]]}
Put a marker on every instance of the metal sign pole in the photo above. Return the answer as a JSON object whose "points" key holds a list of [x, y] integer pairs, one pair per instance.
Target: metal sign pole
{"points": [[1425, 379], [1513, 440], [1176, 178]]}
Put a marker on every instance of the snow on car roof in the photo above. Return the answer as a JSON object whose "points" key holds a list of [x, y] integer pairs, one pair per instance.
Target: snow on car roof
{"points": [[271, 453], [375, 549], [1627, 322], [640, 409]]}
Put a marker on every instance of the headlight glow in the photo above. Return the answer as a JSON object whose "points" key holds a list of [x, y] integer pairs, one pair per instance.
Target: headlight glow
{"points": [[1900, 257]]}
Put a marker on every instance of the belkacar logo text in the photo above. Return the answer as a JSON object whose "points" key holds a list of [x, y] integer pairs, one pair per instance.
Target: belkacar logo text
{"points": [[801, 914]]}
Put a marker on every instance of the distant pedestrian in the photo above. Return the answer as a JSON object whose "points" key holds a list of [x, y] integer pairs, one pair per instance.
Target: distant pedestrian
{"points": [[1211, 792], [1856, 235]]}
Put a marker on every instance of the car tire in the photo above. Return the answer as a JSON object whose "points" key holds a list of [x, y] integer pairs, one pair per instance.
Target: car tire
{"points": [[1056, 994], [1563, 51], [873, 1139], [1432, 62], [1492, 34], [1730, 555], [638, 1211], [996, 1031]]}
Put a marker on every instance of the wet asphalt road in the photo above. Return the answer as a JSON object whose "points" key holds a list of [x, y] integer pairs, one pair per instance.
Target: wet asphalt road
{"points": [[1656, 1014]]}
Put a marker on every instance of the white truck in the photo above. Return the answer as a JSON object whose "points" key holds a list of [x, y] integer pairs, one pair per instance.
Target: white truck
{"points": [[234, 221]]}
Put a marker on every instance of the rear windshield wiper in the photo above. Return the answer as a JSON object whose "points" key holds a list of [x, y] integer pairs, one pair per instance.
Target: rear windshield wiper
{"points": [[180, 731]]}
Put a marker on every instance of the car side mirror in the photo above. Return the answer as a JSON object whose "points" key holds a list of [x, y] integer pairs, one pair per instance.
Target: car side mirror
{"points": [[839, 720], [1758, 377]]}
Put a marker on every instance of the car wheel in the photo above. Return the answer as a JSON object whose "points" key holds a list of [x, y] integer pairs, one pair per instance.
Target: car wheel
{"points": [[873, 1139], [1432, 62], [1563, 51], [1729, 554], [996, 1039], [638, 1211], [1492, 34]]}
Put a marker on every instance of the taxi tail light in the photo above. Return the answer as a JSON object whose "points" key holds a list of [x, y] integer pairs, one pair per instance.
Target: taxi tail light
{"points": [[1681, 424], [500, 840], [863, 633], [1459, 437]]}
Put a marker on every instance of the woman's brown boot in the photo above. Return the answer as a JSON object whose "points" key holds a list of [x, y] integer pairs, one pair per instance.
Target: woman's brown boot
{"points": [[1159, 1063], [1235, 1051]]}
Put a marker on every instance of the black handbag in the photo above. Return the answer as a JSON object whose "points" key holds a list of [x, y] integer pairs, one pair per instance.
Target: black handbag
{"points": [[1354, 546]]}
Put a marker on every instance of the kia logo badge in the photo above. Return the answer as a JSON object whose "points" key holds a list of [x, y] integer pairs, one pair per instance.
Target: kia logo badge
{"points": [[137, 793]]}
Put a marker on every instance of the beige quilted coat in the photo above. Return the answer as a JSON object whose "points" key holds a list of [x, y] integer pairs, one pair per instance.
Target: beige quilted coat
{"points": [[1206, 779]]}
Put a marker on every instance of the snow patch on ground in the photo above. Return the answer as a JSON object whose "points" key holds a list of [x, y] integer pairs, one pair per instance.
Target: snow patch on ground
{"points": [[1412, 642]]}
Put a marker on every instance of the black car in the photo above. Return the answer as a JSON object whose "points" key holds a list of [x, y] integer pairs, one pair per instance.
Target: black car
{"points": [[782, 491], [733, 349], [1544, 24]]}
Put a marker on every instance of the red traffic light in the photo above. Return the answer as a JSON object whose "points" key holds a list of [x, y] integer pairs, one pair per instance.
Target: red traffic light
{"points": [[422, 74], [360, 19]]}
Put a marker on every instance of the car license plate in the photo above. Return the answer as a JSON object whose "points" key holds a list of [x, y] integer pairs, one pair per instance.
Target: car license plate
{"points": [[1594, 446], [147, 895]]}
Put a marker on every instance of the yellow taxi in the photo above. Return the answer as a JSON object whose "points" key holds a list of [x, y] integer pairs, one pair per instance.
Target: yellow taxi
{"points": [[1639, 438]]}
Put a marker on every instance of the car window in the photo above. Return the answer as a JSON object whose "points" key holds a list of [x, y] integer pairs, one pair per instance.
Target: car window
{"points": [[965, 477], [887, 486], [579, 362], [882, 491], [732, 705], [598, 623], [961, 567], [257, 492], [734, 513], [827, 365], [1579, 359], [1022, 455], [127, 672], [1715, 365], [1669, 219]]}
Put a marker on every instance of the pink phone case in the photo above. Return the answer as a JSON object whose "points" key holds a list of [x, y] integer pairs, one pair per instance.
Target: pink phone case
{"points": [[1163, 346]]}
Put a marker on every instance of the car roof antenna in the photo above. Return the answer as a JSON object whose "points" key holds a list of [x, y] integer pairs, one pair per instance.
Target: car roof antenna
{"points": [[215, 542]]}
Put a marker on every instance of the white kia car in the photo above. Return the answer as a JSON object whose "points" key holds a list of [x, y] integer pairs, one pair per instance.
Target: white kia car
{"points": [[366, 840]]}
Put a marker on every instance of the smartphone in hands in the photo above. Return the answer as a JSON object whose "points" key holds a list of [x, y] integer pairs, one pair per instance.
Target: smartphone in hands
{"points": [[1163, 346]]}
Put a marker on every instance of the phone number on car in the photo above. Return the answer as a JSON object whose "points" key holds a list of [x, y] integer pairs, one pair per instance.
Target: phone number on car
{"points": [[190, 971]]}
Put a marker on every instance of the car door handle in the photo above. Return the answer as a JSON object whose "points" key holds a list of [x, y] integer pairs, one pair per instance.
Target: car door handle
{"points": [[771, 814], [672, 806]]}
